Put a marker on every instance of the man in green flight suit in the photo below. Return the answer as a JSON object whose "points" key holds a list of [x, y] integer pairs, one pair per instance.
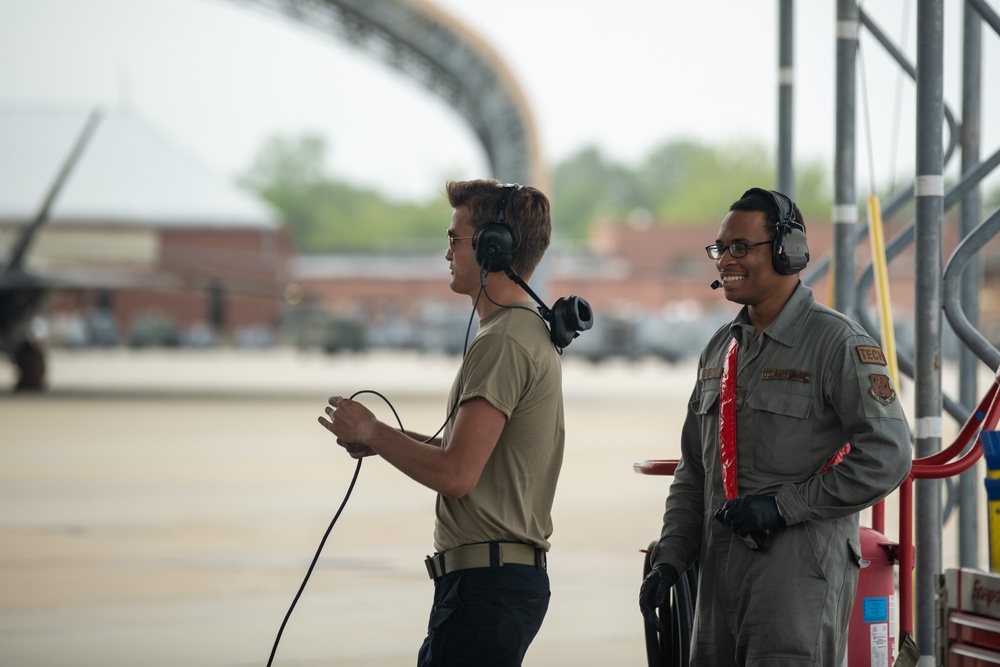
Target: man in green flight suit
{"points": [[793, 428]]}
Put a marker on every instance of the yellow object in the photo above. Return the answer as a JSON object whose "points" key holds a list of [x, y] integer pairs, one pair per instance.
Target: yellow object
{"points": [[875, 237], [994, 527], [991, 453]]}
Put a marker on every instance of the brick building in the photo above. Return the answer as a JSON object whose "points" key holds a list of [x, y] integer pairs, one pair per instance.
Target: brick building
{"points": [[142, 243], [631, 276], [152, 244], [625, 267]]}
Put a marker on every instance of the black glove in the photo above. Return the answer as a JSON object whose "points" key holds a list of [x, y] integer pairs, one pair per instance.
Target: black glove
{"points": [[655, 592], [751, 515]]}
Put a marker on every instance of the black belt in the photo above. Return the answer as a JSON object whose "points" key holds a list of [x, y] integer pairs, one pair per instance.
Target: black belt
{"points": [[484, 554]]}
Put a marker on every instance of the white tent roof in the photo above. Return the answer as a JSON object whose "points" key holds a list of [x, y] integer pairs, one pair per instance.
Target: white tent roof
{"points": [[129, 174]]}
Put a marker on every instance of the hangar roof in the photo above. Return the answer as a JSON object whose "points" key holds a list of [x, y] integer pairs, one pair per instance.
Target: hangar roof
{"points": [[129, 174]]}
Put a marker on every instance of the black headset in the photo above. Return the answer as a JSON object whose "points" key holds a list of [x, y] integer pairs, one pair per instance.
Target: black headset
{"points": [[789, 252], [494, 242], [495, 245]]}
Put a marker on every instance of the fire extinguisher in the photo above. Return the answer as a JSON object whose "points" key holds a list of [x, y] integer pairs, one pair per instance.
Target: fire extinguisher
{"points": [[871, 636]]}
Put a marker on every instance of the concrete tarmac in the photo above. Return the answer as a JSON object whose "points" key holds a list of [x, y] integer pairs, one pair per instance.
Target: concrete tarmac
{"points": [[162, 508]]}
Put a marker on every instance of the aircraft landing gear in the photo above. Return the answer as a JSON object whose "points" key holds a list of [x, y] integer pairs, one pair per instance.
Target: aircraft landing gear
{"points": [[30, 361]]}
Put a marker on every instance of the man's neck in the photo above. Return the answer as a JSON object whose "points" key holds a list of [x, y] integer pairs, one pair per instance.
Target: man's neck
{"points": [[501, 290], [763, 315]]}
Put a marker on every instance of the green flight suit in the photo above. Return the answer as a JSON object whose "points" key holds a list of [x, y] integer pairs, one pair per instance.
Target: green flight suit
{"points": [[810, 383]]}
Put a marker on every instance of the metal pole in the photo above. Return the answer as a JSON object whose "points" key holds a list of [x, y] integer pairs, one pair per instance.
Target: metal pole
{"points": [[786, 80], [929, 197], [845, 208], [971, 210]]}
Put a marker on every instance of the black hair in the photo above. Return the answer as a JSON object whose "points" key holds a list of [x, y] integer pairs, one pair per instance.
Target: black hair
{"points": [[759, 199]]}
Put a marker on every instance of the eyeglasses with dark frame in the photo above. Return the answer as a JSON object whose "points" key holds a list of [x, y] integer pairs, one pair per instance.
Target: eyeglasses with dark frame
{"points": [[716, 250], [452, 239]]}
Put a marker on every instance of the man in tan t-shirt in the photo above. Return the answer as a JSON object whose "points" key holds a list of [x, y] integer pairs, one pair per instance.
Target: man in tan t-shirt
{"points": [[495, 468]]}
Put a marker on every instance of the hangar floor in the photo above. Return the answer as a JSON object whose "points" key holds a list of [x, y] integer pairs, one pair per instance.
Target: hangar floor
{"points": [[161, 508]]}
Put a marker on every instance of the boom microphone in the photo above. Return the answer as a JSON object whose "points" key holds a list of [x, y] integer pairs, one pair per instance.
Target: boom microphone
{"points": [[715, 284]]}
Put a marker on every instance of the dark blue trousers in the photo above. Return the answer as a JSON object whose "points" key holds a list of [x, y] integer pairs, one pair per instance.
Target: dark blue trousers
{"points": [[485, 617]]}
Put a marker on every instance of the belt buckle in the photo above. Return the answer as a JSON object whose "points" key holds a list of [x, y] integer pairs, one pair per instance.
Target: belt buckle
{"points": [[429, 563]]}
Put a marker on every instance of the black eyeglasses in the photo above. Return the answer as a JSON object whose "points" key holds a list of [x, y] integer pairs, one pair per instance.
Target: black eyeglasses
{"points": [[452, 239], [716, 250]]}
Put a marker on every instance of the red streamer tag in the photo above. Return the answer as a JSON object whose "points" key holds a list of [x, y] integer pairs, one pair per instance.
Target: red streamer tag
{"points": [[727, 422]]}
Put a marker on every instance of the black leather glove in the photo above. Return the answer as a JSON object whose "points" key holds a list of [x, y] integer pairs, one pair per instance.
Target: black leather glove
{"points": [[655, 592], [751, 515]]}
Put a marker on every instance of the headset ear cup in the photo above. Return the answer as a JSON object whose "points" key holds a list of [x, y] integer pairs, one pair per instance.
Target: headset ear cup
{"points": [[790, 251], [494, 246]]}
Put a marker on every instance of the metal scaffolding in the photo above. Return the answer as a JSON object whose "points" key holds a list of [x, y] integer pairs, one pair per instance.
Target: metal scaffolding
{"points": [[941, 289]]}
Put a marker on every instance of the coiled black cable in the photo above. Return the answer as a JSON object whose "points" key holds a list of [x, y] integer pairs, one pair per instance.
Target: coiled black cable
{"points": [[672, 647], [329, 529], [354, 479]]}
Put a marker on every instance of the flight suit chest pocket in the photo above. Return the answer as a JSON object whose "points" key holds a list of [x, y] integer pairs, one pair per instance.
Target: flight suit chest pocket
{"points": [[706, 406], [780, 431]]}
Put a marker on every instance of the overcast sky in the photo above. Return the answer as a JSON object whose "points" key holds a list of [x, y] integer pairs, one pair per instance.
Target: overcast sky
{"points": [[218, 77]]}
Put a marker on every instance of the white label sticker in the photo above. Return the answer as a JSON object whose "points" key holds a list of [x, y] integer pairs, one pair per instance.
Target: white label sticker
{"points": [[880, 644], [892, 617]]}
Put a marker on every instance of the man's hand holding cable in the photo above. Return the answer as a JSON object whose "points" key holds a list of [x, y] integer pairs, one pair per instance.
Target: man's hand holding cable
{"points": [[352, 423], [655, 592], [751, 515]]}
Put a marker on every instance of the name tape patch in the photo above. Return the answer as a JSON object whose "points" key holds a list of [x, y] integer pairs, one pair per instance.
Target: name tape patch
{"points": [[711, 373]]}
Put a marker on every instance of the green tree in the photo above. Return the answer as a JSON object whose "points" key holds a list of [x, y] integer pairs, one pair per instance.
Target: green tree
{"points": [[991, 199], [587, 188], [680, 182], [287, 163], [327, 215], [709, 179]]}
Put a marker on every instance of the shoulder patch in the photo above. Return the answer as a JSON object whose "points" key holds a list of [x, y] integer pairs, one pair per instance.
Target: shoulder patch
{"points": [[882, 389], [786, 374], [871, 354], [711, 373]]}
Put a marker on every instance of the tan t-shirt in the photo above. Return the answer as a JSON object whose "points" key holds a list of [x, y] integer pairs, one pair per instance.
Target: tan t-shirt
{"points": [[513, 365]]}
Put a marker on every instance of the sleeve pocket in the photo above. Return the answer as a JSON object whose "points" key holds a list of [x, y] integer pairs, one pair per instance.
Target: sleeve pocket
{"points": [[706, 403], [856, 557]]}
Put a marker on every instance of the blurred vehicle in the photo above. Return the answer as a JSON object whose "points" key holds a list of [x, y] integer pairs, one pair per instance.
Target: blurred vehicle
{"points": [[154, 330], [634, 334], [329, 333], [442, 328]]}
